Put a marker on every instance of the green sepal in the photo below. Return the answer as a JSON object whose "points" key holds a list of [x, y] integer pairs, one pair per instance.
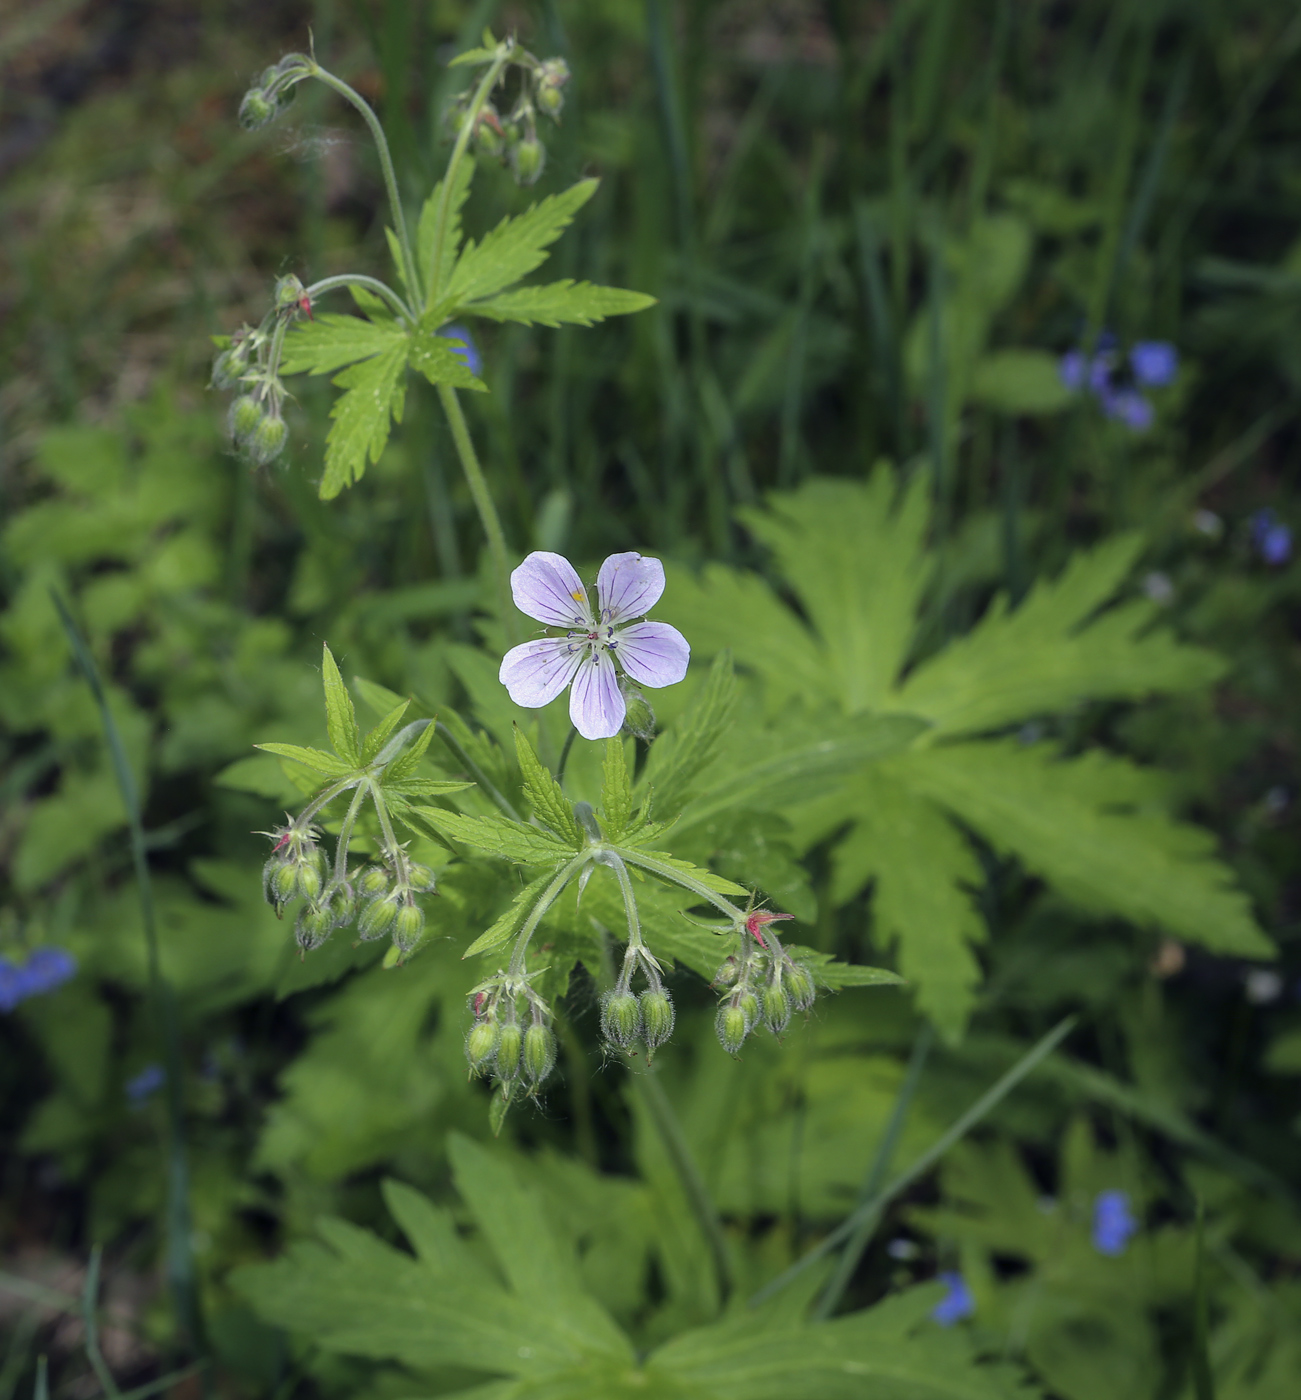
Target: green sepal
{"points": [[377, 737], [340, 714], [316, 759], [509, 923], [498, 836], [550, 805], [616, 791]]}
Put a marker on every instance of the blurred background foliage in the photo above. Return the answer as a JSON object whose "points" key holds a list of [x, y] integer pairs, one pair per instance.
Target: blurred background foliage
{"points": [[875, 230]]}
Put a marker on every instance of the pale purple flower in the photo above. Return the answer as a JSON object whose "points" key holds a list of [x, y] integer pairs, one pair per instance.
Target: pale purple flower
{"points": [[957, 1303], [654, 654], [1113, 1223], [1154, 362]]}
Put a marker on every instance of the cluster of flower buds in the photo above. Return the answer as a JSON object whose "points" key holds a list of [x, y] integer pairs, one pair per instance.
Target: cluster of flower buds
{"points": [[762, 985], [511, 1038], [626, 1018], [249, 362], [381, 899], [513, 138], [272, 92]]}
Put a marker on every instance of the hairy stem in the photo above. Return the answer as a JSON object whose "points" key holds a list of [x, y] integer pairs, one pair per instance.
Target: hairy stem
{"points": [[345, 835], [547, 899], [678, 877], [371, 284]]}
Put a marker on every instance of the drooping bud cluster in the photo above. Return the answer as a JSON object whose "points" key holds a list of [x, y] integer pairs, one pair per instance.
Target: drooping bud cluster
{"points": [[249, 362], [380, 900], [513, 138], [762, 984], [273, 91], [628, 1019], [511, 1038]]}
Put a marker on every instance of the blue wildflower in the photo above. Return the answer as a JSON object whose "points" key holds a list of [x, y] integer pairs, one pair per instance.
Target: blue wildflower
{"points": [[44, 970], [141, 1086], [1271, 538], [1114, 1224], [1072, 369], [1154, 362], [465, 350], [1130, 408], [957, 1303]]}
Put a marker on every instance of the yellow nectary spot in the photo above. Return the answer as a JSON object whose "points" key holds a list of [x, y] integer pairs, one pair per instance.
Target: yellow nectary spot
{"points": [[579, 597]]}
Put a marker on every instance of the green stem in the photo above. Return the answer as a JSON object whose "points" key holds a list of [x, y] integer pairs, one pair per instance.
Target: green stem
{"points": [[564, 754], [180, 1258], [386, 164], [868, 1210], [486, 86], [478, 485], [548, 898], [328, 795], [90, 1322], [667, 872], [345, 835], [614, 863], [372, 284]]}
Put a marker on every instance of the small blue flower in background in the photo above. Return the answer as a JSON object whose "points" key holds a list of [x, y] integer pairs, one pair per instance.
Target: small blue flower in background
{"points": [[1114, 1224], [467, 350], [1154, 362], [1130, 408], [44, 970], [1271, 539], [957, 1303], [140, 1086]]}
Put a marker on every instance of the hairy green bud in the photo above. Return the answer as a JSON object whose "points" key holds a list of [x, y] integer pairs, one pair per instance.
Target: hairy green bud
{"points": [[257, 110], [508, 1050], [408, 926], [776, 1008], [244, 417], [657, 1017], [799, 980], [313, 927], [528, 158], [372, 882], [539, 1052], [639, 718], [281, 881], [267, 441], [481, 1045], [620, 1018], [553, 74], [420, 877], [732, 1026], [289, 292], [749, 1004], [309, 874], [377, 918], [229, 366]]}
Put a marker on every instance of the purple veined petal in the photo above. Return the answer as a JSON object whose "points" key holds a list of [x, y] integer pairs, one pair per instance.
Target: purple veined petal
{"points": [[546, 587], [596, 704], [536, 672], [653, 653], [629, 585]]}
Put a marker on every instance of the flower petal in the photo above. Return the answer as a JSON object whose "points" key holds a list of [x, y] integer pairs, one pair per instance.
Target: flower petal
{"points": [[653, 653], [596, 703], [629, 585], [546, 587], [536, 672]]}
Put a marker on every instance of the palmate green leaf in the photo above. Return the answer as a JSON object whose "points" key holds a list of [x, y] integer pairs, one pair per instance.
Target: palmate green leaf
{"points": [[378, 736], [340, 714], [550, 805], [1054, 651], [514, 248], [433, 356], [330, 342], [498, 836], [316, 759], [559, 303], [376, 392], [1065, 819], [427, 228], [509, 923], [400, 769]]}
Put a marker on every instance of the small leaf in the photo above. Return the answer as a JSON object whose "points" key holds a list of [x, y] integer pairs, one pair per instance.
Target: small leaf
{"points": [[376, 392], [340, 716], [498, 836], [472, 56], [330, 342], [435, 357], [316, 759], [616, 793], [550, 805], [377, 737], [515, 247], [559, 303], [511, 921]]}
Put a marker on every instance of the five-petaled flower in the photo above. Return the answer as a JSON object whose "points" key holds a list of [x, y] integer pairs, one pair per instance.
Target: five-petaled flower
{"points": [[546, 587]]}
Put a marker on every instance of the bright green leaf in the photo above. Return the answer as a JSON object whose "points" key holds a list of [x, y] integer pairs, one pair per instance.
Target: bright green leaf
{"points": [[340, 715], [330, 342], [498, 836], [428, 227], [316, 759], [375, 395], [559, 303], [511, 921], [433, 356], [378, 736], [550, 805], [616, 793]]}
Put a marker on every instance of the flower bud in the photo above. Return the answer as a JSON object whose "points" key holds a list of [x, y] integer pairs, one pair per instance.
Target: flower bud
{"points": [[639, 719], [420, 877], [799, 981], [657, 1017], [749, 1005], [528, 157], [508, 1050], [229, 366], [313, 927], [776, 1008], [267, 440], [245, 415], [282, 881], [408, 926], [309, 874], [489, 137], [343, 906], [481, 1045], [289, 293], [257, 110], [539, 1052], [377, 917], [552, 76], [620, 1018], [727, 973], [372, 882], [732, 1026]]}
